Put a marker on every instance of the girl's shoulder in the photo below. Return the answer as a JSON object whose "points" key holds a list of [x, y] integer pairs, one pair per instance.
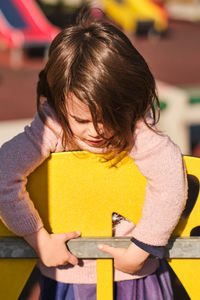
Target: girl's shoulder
{"points": [[43, 134], [148, 139], [47, 119], [49, 113]]}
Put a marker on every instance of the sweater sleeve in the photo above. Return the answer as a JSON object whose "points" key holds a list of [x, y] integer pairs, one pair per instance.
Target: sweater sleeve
{"points": [[161, 162], [18, 158]]}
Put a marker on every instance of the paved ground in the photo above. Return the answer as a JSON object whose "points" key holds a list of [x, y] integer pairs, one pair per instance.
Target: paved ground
{"points": [[176, 58], [17, 88]]}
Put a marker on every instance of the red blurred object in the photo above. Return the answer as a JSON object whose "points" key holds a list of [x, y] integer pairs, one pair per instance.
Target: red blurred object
{"points": [[23, 24], [162, 5]]}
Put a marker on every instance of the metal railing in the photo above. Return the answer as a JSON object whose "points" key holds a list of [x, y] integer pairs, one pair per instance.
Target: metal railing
{"points": [[16, 247]]}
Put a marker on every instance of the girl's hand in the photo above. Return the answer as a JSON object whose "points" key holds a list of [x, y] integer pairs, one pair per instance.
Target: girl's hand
{"points": [[51, 248], [128, 260]]}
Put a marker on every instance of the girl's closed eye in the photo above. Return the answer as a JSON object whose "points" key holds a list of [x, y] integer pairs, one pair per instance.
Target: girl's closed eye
{"points": [[81, 121]]}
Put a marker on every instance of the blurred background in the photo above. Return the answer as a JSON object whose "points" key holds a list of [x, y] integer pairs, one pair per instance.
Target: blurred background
{"points": [[166, 33]]}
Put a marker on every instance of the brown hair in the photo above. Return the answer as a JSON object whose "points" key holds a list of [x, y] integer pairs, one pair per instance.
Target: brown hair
{"points": [[98, 64]]}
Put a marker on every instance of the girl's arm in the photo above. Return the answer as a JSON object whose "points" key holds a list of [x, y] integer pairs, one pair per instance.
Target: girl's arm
{"points": [[160, 161], [128, 260], [18, 158]]}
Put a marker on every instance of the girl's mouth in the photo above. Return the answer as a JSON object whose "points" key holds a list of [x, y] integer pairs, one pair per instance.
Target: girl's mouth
{"points": [[94, 142]]}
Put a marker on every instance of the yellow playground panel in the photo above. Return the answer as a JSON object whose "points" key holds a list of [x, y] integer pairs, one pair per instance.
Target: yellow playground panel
{"points": [[130, 13], [77, 191]]}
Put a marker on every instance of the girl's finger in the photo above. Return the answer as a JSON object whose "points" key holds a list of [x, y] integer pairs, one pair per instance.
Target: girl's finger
{"points": [[108, 249], [72, 235], [72, 259]]}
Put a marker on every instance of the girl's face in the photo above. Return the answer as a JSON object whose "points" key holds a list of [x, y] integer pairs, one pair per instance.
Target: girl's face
{"points": [[81, 124]]}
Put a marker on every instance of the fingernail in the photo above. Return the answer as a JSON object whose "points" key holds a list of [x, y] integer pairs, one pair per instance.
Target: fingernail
{"points": [[78, 232], [100, 246]]}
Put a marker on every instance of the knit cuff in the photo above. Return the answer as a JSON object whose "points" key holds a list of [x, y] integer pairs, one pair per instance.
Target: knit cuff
{"points": [[156, 251]]}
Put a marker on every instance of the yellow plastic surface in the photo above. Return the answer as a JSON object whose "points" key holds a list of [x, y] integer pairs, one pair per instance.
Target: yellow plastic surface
{"points": [[14, 274], [83, 192], [77, 191], [188, 270]]}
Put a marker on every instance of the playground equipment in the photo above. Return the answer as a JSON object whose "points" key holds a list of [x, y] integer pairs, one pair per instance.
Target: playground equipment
{"points": [[137, 15], [22, 24], [180, 110], [92, 186]]}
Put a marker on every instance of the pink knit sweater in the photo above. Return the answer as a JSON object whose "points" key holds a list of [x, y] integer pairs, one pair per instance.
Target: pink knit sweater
{"points": [[157, 158]]}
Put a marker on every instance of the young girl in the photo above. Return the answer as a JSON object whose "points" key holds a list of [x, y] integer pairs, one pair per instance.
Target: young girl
{"points": [[96, 93]]}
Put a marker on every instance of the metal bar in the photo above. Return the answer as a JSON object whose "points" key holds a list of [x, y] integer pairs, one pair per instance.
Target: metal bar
{"points": [[15, 247]]}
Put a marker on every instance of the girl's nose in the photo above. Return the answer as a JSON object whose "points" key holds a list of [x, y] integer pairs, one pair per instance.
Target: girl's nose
{"points": [[92, 131]]}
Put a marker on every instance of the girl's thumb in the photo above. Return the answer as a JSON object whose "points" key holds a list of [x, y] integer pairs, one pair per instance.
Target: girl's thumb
{"points": [[106, 248], [72, 235]]}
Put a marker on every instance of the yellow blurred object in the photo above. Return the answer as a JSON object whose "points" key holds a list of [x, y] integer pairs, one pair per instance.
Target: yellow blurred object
{"points": [[137, 15], [77, 191]]}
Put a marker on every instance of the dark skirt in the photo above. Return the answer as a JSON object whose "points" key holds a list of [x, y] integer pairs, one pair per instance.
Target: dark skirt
{"points": [[156, 286]]}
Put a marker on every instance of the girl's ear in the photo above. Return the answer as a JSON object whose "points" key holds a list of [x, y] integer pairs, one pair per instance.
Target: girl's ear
{"points": [[41, 85], [42, 88]]}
